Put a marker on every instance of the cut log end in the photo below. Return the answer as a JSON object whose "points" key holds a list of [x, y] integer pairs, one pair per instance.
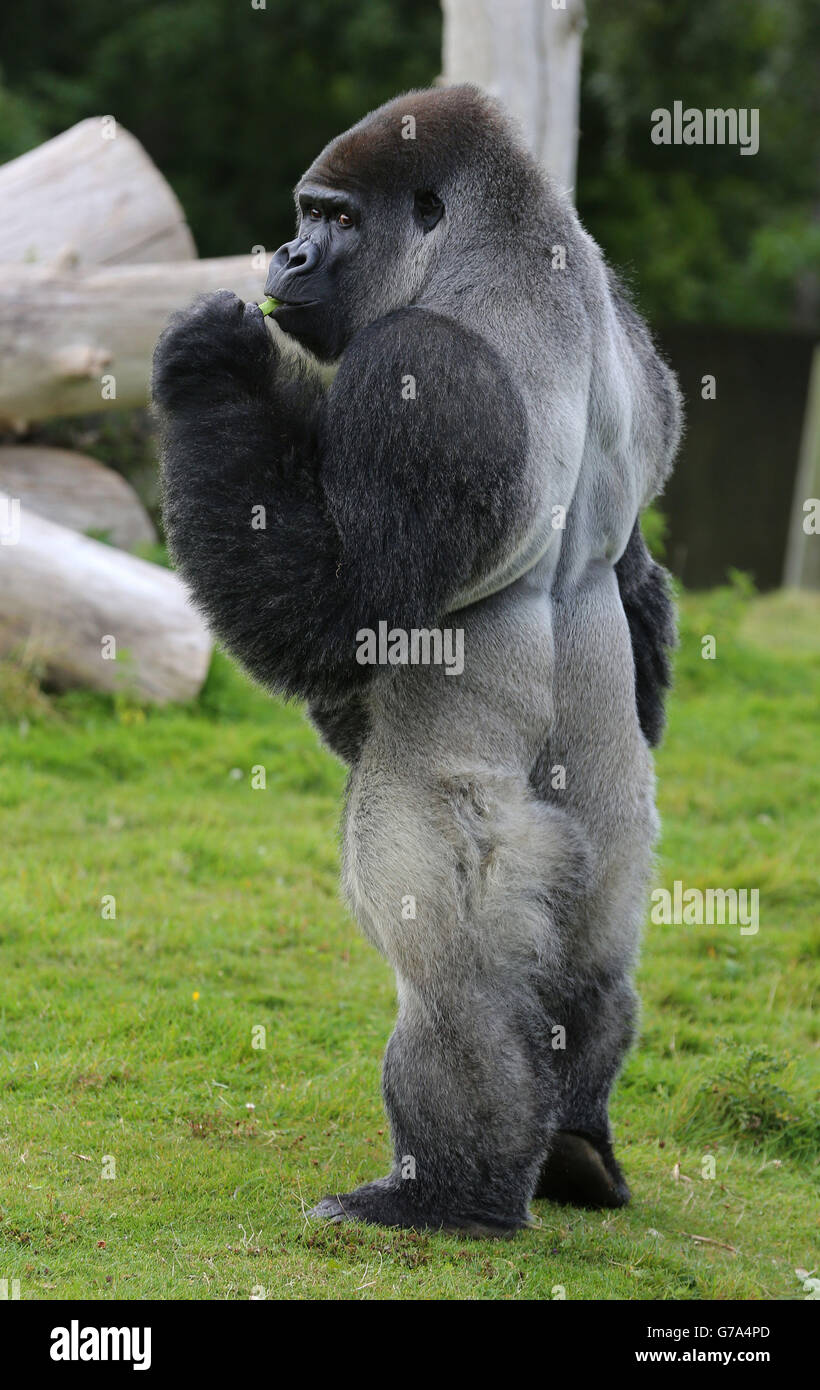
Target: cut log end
{"points": [[94, 616]]}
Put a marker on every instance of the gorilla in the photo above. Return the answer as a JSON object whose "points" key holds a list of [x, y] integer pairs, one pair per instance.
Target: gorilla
{"points": [[477, 464]]}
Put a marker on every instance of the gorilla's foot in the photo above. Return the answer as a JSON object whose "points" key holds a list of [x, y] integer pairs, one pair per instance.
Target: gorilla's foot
{"points": [[383, 1203], [583, 1172]]}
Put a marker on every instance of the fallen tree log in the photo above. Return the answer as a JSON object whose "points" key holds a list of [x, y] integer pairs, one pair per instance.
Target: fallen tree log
{"points": [[75, 340], [75, 491], [89, 615], [94, 192]]}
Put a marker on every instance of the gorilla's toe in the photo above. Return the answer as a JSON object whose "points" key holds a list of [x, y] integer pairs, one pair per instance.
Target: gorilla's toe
{"points": [[384, 1203], [330, 1209], [374, 1202]]}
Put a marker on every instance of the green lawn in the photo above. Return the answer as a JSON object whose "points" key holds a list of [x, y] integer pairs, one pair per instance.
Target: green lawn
{"points": [[131, 1039]]}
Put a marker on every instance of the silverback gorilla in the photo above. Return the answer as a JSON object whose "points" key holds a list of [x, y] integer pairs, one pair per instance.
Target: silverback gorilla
{"points": [[497, 419]]}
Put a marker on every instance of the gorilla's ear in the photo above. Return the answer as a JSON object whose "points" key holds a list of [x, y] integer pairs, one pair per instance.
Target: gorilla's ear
{"points": [[428, 209]]}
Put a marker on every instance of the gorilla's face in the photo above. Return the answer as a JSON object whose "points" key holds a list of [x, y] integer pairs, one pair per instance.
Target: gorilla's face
{"points": [[311, 275], [348, 264]]}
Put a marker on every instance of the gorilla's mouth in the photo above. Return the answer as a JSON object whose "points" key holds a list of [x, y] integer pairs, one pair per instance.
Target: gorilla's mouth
{"points": [[295, 304]]}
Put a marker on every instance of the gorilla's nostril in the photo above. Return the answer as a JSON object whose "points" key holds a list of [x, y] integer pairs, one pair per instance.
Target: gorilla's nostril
{"points": [[304, 257]]}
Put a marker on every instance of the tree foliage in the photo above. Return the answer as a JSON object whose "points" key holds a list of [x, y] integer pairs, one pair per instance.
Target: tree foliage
{"points": [[709, 235], [231, 102]]}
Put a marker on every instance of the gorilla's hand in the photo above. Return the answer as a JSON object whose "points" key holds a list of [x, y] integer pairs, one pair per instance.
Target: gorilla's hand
{"points": [[216, 349]]}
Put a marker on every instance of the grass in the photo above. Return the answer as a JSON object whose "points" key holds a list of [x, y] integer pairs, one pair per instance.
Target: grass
{"points": [[127, 1042]]}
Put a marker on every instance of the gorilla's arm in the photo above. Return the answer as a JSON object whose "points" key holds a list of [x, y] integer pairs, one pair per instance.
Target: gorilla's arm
{"points": [[656, 415], [381, 497], [644, 588], [343, 724]]}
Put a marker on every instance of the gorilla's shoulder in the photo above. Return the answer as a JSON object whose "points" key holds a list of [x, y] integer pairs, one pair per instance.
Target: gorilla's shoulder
{"points": [[424, 367], [426, 411], [428, 335]]}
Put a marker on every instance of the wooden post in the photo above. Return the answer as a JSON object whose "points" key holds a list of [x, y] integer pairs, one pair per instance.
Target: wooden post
{"points": [[801, 568], [529, 55]]}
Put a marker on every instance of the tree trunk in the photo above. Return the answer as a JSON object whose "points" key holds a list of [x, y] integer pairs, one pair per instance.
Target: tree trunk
{"points": [[76, 491], [529, 55], [93, 193], [75, 340], [92, 616]]}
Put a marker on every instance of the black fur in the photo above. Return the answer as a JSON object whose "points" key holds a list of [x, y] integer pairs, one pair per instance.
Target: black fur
{"points": [[582, 1171], [644, 589], [343, 724], [442, 484]]}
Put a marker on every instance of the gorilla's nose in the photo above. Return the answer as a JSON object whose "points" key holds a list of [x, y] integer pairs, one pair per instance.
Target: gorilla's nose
{"points": [[293, 259]]}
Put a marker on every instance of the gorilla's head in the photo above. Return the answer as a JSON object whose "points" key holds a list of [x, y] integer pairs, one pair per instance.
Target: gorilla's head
{"points": [[432, 178]]}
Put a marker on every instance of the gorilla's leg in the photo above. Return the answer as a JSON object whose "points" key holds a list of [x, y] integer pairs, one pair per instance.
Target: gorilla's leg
{"points": [[581, 1167], [466, 1109], [468, 1075]]}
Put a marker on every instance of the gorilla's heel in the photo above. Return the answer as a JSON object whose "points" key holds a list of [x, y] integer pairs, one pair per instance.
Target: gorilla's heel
{"points": [[582, 1171], [580, 1168]]}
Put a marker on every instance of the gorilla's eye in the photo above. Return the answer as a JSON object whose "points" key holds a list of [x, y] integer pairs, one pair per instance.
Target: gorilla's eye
{"points": [[315, 215], [344, 219], [428, 208]]}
